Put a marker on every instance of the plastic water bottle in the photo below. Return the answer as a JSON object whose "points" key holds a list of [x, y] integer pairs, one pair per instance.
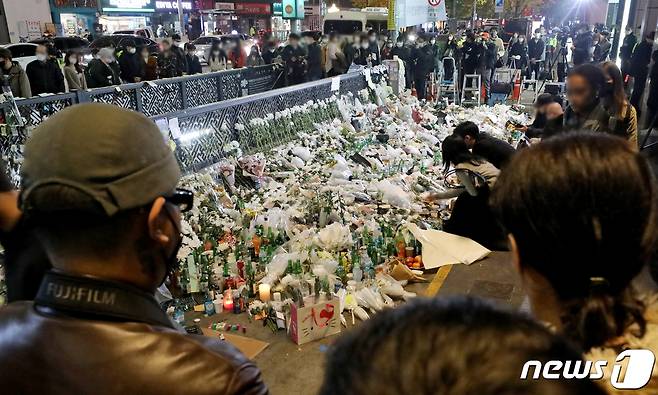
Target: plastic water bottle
{"points": [[209, 306], [179, 314], [532, 76]]}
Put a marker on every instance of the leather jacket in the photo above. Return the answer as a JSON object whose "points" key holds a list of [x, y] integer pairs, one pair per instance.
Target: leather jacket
{"points": [[83, 335]]}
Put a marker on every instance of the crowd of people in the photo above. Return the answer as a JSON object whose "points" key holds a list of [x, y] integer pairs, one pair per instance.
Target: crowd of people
{"points": [[312, 56], [576, 209]]}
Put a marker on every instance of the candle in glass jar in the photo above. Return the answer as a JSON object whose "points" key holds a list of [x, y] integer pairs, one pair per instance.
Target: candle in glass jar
{"points": [[228, 300], [264, 292]]}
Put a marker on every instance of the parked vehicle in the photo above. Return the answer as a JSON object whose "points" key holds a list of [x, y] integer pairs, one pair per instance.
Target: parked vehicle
{"points": [[145, 32], [64, 44], [118, 41], [204, 43], [346, 23], [22, 53]]}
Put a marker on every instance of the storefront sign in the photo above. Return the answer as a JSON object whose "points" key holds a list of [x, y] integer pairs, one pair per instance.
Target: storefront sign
{"points": [[128, 5], [224, 6], [277, 9], [253, 9], [76, 3], [172, 5], [293, 9]]}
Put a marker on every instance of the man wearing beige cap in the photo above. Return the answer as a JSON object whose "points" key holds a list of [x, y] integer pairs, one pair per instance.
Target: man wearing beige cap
{"points": [[99, 186]]}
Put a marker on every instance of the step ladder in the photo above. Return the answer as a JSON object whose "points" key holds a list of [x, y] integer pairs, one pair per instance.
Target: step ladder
{"points": [[448, 87], [474, 89]]}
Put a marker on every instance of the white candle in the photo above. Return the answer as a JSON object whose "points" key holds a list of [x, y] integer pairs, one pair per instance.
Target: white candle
{"points": [[264, 292]]}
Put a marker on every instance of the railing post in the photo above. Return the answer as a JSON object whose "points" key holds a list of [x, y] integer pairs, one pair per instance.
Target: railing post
{"points": [[138, 99], [218, 81], [183, 91], [82, 96]]}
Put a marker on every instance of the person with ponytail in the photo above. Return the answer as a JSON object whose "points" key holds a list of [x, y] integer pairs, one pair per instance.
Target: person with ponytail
{"points": [[580, 213]]}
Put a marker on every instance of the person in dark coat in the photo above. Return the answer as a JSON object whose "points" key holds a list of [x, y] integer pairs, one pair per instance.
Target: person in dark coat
{"points": [[373, 49], [270, 52], [602, 48], [193, 64], [536, 129], [362, 54], [423, 56], [180, 53], [314, 58], [387, 50], [471, 52], [518, 53], [487, 63], [294, 57], [352, 49], [25, 261], [101, 73], [44, 73], [582, 45], [131, 66], [403, 52], [536, 48], [652, 100], [640, 69], [626, 51], [168, 64], [495, 151], [451, 51]]}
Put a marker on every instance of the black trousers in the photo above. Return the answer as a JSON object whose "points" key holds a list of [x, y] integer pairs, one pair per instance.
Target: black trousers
{"points": [[561, 72], [472, 217], [421, 87], [639, 83]]}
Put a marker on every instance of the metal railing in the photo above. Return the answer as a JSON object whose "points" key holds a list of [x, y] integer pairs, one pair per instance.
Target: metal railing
{"points": [[207, 119], [156, 97], [204, 130]]}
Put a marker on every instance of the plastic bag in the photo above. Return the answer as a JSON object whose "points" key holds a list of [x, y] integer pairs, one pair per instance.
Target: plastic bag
{"points": [[303, 153], [393, 194]]}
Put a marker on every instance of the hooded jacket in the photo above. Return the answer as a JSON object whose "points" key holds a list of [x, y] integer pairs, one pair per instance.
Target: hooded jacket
{"points": [[18, 81]]}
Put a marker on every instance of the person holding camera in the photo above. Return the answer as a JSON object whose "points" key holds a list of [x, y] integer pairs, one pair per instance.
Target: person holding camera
{"points": [[518, 54], [294, 57], [582, 46]]}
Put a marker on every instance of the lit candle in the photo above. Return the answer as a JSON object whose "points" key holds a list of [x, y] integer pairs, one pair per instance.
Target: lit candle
{"points": [[264, 292], [228, 305], [228, 301]]}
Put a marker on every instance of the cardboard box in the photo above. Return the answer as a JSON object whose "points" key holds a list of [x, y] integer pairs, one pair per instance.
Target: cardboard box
{"points": [[315, 321]]}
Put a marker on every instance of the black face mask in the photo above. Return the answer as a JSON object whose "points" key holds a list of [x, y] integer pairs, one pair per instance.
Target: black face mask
{"points": [[171, 260]]}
